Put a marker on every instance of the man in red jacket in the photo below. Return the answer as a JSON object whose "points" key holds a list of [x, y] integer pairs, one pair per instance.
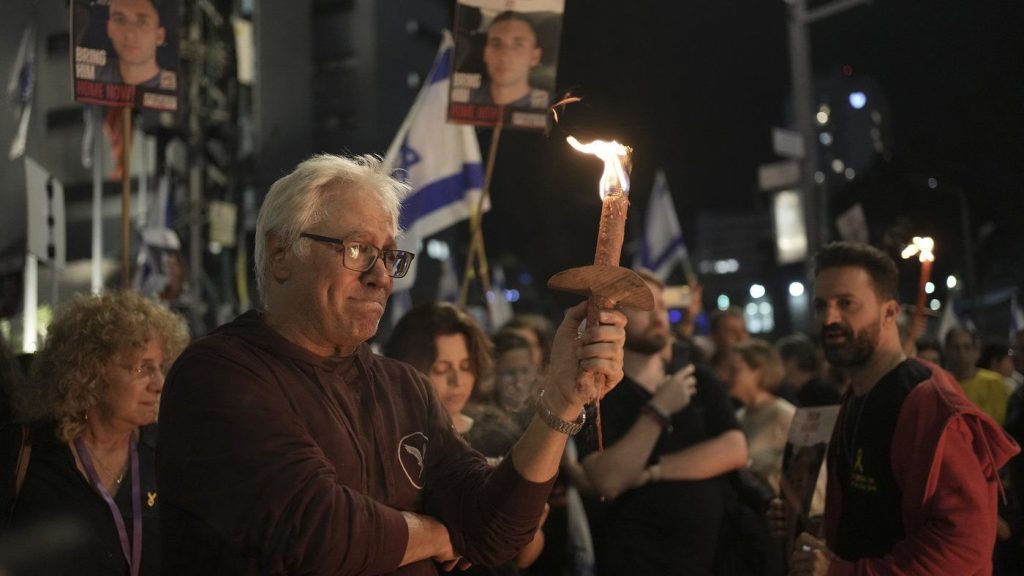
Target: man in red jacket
{"points": [[913, 464], [288, 447]]}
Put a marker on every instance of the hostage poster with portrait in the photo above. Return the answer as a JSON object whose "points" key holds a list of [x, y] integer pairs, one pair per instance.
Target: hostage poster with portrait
{"points": [[125, 53], [806, 449], [506, 62]]}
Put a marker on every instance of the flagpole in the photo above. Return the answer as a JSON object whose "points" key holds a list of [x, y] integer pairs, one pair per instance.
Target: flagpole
{"points": [[126, 191], [97, 200], [476, 245]]}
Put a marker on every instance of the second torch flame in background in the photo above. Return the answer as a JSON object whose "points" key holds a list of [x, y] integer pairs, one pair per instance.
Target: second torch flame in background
{"points": [[923, 247]]}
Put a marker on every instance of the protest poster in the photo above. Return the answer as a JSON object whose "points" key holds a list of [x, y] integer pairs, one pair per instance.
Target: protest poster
{"points": [[806, 448], [125, 53], [506, 61]]}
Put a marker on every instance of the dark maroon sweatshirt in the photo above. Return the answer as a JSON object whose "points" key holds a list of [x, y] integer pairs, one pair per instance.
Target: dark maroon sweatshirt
{"points": [[273, 460]]}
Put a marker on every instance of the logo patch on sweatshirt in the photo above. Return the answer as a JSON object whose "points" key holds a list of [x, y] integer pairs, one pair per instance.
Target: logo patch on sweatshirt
{"points": [[412, 454]]}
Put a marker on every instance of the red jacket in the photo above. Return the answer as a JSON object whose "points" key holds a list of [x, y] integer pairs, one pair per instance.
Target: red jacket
{"points": [[945, 458]]}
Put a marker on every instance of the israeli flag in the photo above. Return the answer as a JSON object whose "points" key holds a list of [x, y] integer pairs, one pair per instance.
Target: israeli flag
{"points": [[440, 161], [662, 247]]}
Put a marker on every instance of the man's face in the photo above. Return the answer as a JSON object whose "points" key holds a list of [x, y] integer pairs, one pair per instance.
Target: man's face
{"points": [[730, 331], [536, 350], [135, 30], [510, 53], [338, 307], [961, 352], [514, 375], [648, 332], [849, 315]]}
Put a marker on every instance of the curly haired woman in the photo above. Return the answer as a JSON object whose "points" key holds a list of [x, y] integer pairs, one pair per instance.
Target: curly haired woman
{"points": [[84, 449]]}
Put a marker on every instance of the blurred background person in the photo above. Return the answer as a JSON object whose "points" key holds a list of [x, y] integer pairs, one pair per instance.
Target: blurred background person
{"points": [[801, 383], [930, 349], [515, 376], [538, 331], [997, 356], [982, 386], [727, 330], [755, 369], [569, 544], [88, 410], [671, 439]]}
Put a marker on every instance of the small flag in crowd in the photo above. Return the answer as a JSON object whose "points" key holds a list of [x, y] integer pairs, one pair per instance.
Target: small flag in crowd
{"points": [[440, 161], [662, 246], [20, 87]]}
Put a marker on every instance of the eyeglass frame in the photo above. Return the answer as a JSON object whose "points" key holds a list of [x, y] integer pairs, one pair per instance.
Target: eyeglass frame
{"points": [[380, 252], [148, 371]]}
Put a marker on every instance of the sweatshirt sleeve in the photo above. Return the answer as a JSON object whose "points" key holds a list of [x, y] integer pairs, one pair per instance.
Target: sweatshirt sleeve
{"points": [[233, 455], [957, 533]]}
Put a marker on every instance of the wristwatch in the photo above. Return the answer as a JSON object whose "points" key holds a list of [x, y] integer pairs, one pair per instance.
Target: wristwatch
{"points": [[556, 423]]}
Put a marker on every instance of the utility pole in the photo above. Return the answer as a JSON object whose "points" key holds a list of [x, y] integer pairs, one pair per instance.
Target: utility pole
{"points": [[802, 85]]}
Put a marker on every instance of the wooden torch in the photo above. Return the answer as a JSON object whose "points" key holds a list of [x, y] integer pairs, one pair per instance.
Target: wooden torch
{"points": [[605, 282]]}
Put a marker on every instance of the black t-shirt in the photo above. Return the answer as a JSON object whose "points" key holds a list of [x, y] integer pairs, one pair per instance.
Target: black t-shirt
{"points": [[54, 490], [665, 528], [871, 522]]}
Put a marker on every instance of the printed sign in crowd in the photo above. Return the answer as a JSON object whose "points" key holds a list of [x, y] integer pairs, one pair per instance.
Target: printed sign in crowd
{"points": [[125, 53], [506, 60]]}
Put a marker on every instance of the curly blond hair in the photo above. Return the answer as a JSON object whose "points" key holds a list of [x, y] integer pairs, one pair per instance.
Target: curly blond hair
{"points": [[89, 335]]}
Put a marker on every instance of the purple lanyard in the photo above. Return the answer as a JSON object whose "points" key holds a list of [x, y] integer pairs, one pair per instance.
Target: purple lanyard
{"points": [[133, 556]]}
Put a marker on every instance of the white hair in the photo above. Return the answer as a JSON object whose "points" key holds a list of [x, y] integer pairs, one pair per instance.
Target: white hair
{"points": [[299, 200]]}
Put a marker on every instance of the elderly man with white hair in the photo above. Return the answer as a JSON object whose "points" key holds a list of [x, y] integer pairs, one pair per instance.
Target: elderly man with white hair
{"points": [[288, 447]]}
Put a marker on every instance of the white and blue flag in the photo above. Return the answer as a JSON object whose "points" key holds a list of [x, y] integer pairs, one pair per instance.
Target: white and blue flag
{"points": [[662, 247], [21, 86], [440, 161]]}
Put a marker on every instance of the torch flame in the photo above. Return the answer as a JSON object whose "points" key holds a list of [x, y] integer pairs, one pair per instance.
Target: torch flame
{"points": [[922, 246], [616, 159]]}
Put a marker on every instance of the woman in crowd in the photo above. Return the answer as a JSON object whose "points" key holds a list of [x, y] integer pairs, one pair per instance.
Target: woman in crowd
{"points": [[84, 452], [449, 347], [755, 369], [452, 350]]}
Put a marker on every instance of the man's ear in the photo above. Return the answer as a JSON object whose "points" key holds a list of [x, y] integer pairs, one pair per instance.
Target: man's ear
{"points": [[891, 311], [280, 258]]}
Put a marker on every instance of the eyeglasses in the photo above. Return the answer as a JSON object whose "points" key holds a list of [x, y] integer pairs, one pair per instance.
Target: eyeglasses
{"points": [[360, 257], [148, 371]]}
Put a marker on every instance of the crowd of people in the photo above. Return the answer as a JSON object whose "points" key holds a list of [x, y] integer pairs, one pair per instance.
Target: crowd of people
{"points": [[287, 444]]}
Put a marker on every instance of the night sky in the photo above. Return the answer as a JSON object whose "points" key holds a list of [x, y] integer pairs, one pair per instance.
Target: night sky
{"points": [[697, 87]]}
